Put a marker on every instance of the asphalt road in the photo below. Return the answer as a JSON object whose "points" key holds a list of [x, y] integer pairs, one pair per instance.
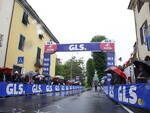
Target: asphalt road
{"points": [[66, 102]]}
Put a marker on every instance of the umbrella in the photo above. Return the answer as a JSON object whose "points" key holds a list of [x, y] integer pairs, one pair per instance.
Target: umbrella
{"points": [[46, 75], [116, 70], [108, 70], [40, 76], [146, 64], [60, 77], [31, 73], [6, 70], [104, 78]]}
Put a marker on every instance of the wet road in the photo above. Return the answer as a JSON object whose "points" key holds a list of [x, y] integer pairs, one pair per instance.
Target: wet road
{"points": [[65, 102], [87, 102]]}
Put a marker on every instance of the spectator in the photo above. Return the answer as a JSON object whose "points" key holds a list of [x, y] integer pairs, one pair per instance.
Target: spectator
{"points": [[95, 81], [143, 75], [147, 59], [37, 67], [15, 76]]}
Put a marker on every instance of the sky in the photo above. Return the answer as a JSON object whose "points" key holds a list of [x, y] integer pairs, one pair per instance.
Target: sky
{"points": [[77, 21]]}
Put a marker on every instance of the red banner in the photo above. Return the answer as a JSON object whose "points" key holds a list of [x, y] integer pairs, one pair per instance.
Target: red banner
{"points": [[107, 46], [50, 48]]}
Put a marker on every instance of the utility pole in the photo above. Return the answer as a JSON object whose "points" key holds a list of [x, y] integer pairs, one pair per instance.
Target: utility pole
{"points": [[71, 70], [71, 67]]}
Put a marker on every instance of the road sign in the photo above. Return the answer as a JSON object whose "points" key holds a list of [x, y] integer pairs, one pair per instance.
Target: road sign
{"points": [[20, 60]]}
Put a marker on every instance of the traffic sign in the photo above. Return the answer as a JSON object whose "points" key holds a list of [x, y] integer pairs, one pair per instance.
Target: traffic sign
{"points": [[20, 60]]}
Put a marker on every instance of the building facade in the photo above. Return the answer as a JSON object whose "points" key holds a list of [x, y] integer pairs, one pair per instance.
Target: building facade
{"points": [[141, 9], [23, 36]]}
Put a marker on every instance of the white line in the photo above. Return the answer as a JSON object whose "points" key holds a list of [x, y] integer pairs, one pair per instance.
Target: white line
{"points": [[127, 109]]}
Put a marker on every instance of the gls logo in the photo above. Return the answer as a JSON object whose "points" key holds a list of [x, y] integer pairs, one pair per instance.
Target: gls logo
{"points": [[77, 47], [122, 94], [36, 88], [122, 91], [14, 89]]}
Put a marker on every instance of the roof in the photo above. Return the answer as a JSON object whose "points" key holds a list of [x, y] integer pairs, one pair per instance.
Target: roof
{"points": [[131, 4], [35, 16]]}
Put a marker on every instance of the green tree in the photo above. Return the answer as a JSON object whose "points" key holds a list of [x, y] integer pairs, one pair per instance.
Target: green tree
{"points": [[59, 67], [99, 57], [71, 68], [75, 68], [90, 71]]}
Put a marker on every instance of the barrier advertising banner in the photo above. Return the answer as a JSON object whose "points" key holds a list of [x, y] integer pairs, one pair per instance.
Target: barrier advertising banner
{"points": [[14, 89], [135, 95]]}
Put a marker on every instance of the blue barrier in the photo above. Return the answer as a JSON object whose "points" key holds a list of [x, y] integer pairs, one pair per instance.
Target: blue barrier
{"points": [[137, 95], [14, 89]]}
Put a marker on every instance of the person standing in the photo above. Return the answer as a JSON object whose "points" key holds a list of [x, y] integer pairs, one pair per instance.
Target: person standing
{"points": [[95, 81]]}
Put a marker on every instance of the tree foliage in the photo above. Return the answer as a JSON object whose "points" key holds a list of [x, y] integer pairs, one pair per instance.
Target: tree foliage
{"points": [[71, 68], [59, 67], [99, 58], [90, 71]]}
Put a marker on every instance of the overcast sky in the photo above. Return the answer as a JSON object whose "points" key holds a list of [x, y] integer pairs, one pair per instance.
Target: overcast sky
{"points": [[74, 21]]}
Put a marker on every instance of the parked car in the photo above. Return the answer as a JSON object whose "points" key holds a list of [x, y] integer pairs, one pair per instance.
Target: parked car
{"points": [[58, 80], [69, 82]]}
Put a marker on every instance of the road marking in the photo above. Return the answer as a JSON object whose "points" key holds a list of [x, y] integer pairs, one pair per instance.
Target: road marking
{"points": [[127, 109]]}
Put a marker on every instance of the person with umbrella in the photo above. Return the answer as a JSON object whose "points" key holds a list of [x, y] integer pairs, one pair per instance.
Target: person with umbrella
{"points": [[143, 71], [118, 76]]}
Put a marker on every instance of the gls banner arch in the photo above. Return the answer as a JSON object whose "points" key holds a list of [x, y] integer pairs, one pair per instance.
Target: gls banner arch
{"points": [[104, 46], [107, 46]]}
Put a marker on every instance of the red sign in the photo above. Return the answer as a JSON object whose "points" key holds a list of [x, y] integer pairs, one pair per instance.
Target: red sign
{"points": [[50, 48], [107, 46]]}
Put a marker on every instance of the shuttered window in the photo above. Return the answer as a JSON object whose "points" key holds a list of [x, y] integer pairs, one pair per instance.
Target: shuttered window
{"points": [[38, 57], [25, 20], [143, 32], [21, 43]]}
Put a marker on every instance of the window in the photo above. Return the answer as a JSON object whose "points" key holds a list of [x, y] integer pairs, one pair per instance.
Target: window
{"points": [[41, 36], [1, 40], [21, 43], [143, 32], [149, 6], [38, 57], [25, 20], [140, 3]]}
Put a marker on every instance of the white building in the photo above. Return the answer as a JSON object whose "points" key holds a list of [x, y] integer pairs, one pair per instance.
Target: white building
{"points": [[6, 8], [141, 9]]}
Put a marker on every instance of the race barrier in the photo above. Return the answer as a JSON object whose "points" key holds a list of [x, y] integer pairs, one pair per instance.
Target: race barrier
{"points": [[137, 95], [14, 89]]}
